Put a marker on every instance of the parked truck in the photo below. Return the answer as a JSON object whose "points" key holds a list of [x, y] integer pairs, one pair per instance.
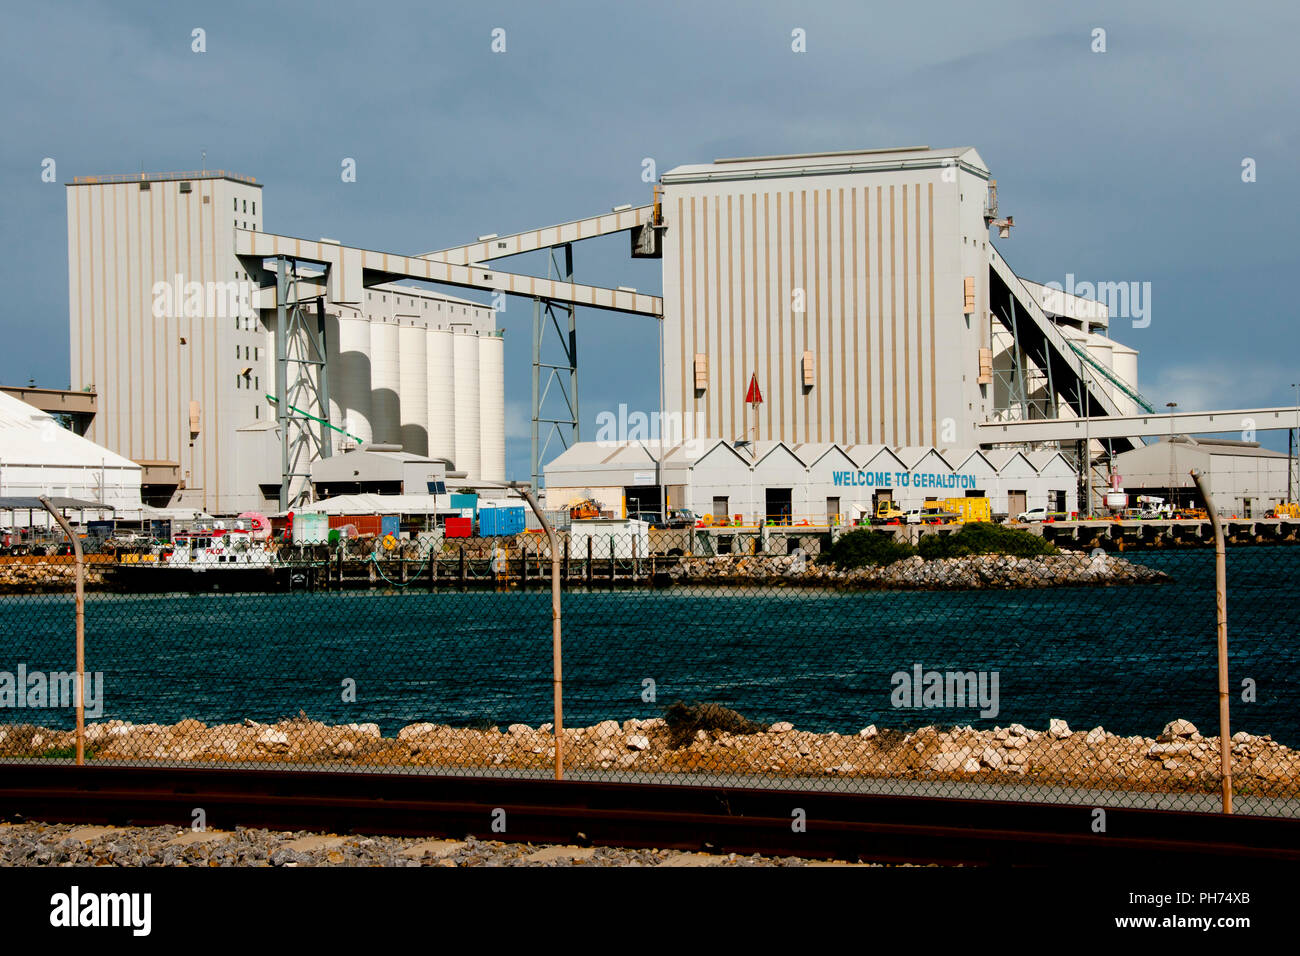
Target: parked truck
{"points": [[968, 510]]}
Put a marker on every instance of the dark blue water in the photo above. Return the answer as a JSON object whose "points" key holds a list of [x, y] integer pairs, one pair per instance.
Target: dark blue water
{"points": [[1129, 658]]}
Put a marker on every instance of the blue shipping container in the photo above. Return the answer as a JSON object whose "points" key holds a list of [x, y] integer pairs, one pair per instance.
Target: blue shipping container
{"points": [[390, 524], [501, 522]]}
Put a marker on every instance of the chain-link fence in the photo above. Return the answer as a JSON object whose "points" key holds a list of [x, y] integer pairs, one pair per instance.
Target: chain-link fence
{"points": [[867, 665]]}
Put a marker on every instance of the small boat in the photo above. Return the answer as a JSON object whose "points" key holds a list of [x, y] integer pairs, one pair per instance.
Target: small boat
{"points": [[218, 558]]}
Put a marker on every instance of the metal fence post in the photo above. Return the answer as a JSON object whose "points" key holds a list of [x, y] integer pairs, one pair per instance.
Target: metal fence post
{"points": [[557, 673], [1221, 608], [81, 627]]}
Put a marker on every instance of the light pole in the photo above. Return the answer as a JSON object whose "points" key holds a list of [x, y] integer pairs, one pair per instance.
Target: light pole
{"points": [[1291, 466], [524, 490], [1171, 406]]}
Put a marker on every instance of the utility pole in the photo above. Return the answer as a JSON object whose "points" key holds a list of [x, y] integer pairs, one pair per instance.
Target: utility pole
{"points": [[1171, 406], [1087, 443], [1292, 466]]}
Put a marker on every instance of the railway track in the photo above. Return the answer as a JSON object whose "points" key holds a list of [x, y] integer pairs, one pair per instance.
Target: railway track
{"points": [[718, 819]]}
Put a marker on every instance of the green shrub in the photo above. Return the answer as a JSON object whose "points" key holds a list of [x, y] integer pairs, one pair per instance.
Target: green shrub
{"points": [[67, 753], [860, 549], [984, 538], [684, 720]]}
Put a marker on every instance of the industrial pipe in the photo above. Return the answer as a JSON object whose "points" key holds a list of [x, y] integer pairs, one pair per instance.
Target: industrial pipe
{"points": [[81, 627], [1221, 608]]}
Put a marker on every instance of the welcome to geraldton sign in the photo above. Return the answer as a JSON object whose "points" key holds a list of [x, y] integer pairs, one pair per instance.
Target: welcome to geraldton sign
{"points": [[902, 479]]}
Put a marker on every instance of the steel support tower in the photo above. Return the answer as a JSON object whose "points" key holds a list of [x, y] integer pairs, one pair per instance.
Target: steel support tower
{"points": [[546, 316], [301, 384]]}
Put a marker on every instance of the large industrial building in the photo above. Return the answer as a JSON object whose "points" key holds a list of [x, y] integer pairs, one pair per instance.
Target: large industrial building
{"points": [[858, 292], [862, 291], [818, 483], [1245, 480], [176, 333]]}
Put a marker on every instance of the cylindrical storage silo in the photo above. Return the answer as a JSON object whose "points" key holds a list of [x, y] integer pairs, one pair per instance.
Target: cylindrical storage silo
{"points": [[349, 377], [440, 364], [492, 406], [385, 383], [414, 389], [465, 356], [1126, 370]]}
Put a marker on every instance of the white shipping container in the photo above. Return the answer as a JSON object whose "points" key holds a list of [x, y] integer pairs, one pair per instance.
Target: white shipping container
{"points": [[311, 528], [625, 539]]}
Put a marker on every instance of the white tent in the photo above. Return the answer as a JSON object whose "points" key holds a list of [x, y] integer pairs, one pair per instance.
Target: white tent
{"points": [[40, 457]]}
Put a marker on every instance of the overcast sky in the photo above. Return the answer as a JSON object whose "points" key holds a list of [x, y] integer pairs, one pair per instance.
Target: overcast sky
{"points": [[1117, 166]]}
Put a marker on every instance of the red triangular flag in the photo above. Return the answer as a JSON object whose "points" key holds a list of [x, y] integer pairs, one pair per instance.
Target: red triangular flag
{"points": [[753, 396]]}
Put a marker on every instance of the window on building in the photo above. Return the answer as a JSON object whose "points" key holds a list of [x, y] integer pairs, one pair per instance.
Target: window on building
{"points": [[257, 383], [256, 351], [236, 204], [245, 205], [721, 506], [257, 411], [254, 207], [237, 379], [833, 510]]}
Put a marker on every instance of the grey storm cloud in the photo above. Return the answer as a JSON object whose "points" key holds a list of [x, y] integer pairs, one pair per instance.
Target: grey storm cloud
{"points": [[1118, 166]]}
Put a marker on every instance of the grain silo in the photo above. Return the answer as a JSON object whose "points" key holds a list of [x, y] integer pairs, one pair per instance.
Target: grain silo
{"points": [[385, 382], [349, 357], [465, 352], [441, 393], [492, 411], [413, 393]]}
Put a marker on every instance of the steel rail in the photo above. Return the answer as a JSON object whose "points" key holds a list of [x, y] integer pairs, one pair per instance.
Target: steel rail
{"points": [[711, 818]]}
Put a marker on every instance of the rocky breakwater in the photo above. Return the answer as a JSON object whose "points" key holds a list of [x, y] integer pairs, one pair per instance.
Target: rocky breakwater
{"points": [[51, 575], [1179, 759], [974, 571]]}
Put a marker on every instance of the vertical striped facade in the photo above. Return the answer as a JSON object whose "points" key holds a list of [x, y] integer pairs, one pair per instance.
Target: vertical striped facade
{"points": [[854, 263], [123, 239]]}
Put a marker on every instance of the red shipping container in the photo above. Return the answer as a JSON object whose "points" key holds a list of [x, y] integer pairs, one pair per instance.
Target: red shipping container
{"points": [[460, 527], [365, 524]]}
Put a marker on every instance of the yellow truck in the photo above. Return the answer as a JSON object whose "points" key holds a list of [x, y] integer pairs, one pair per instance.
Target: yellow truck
{"points": [[886, 512], [968, 510]]}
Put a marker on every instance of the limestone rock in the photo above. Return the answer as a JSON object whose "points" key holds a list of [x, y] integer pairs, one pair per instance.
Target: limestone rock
{"points": [[411, 731], [272, 739], [1058, 729], [948, 760], [1179, 728]]}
